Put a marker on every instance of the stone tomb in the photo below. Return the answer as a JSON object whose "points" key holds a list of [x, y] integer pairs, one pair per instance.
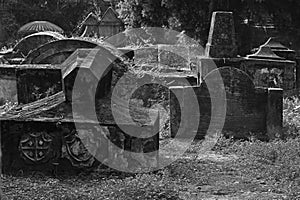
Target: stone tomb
{"points": [[33, 41], [53, 136], [57, 52], [28, 44], [266, 69], [247, 109], [284, 52]]}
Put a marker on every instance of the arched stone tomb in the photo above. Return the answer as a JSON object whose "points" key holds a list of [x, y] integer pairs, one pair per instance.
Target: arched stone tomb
{"points": [[248, 109], [33, 41], [27, 44], [57, 52]]}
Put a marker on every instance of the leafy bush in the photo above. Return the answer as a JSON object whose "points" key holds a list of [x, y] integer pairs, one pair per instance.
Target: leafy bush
{"points": [[291, 117]]}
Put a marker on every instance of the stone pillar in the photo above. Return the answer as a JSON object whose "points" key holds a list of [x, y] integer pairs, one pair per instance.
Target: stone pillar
{"points": [[274, 113], [221, 40]]}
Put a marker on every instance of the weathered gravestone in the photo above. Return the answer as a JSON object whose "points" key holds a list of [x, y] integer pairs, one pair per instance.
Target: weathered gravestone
{"points": [[221, 41], [248, 109], [73, 130]]}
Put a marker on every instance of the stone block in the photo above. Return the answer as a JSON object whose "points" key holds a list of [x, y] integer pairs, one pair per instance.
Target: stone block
{"points": [[88, 72]]}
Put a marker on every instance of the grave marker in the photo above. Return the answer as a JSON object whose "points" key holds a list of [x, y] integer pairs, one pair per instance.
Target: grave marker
{"points": [[221, 41]]}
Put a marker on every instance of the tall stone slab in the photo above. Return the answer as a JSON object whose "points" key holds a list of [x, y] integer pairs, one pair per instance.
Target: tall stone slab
{"points": [[221, 40]]}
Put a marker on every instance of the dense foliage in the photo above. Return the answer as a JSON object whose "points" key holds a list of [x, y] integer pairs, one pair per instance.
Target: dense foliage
{"points": [[64, 13], [193, 16]]}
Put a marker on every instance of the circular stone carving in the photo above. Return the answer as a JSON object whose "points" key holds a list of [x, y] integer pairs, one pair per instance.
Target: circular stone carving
{"points": [[36, 147]]}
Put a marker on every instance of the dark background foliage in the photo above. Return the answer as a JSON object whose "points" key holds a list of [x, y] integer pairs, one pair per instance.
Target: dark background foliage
{"points": [[191, 16]]}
